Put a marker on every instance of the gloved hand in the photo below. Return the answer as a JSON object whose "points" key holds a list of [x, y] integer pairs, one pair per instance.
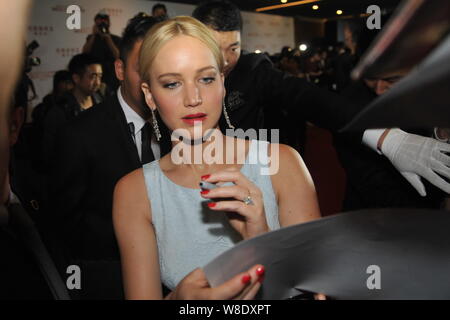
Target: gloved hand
{"points": [[415, 156]]}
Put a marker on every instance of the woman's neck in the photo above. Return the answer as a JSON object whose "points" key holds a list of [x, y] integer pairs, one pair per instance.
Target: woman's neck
{"points": [[200, 152]]}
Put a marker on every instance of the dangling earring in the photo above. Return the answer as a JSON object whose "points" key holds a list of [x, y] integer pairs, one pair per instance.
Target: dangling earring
{"points": [[155, 126], [227, 118]]}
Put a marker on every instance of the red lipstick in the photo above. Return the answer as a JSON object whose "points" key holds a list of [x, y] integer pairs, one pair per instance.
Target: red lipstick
{"points": [[191, 118]]}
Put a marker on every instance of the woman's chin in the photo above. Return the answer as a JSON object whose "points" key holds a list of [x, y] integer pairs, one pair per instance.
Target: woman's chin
{"points": [[195, 134]]}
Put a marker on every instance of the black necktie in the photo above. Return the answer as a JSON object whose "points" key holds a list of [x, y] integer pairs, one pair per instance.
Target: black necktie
{"points": [[146, 154]]}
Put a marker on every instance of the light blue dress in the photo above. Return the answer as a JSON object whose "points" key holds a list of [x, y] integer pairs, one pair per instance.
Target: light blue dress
{"points": [[188, 233]]}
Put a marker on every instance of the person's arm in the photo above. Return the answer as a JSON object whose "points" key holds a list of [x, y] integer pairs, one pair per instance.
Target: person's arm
{"points": [[136, 238], [411, 155], [138, 249], [111, 45], [87, 48], [298, 98], [294, 189], [373, 181]]}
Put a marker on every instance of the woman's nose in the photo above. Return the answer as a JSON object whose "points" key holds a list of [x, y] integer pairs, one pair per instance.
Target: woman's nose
{"points": [[193, 97]]}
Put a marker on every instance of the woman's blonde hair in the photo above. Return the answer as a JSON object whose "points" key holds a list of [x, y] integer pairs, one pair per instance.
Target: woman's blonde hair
{"points": [[164, 31]]}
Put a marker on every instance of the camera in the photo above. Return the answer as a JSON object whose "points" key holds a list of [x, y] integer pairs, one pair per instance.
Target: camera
{"points": [[103, 27]]}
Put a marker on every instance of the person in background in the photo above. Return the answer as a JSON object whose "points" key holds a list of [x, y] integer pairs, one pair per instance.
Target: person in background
{"points": [[92, 153], [253, 86], [62, 83], [86, 72], [159, 10], [105, 47]]}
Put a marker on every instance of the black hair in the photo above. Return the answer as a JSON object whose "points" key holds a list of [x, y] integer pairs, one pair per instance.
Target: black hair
{"points": [[159, 6], [60, 76], [135, 30], [286, 51], [221, 15], [101, 16], [80, 62]]}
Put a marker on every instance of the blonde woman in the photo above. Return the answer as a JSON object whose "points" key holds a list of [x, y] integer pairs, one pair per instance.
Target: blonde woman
{"points": [[166, 226]]}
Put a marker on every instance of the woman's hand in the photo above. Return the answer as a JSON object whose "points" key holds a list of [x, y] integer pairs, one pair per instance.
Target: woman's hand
{"points": [[245, 208], [320, 296], [243, 286]]}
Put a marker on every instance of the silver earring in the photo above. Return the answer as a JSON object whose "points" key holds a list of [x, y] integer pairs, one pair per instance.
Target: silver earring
{"points": [[155, 126], [227, 118]]}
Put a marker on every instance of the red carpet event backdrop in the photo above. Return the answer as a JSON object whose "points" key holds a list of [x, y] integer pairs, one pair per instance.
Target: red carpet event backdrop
{"points": [[49, 20]]}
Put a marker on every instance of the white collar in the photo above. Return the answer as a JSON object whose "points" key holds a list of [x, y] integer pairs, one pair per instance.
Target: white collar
{"points": [[130, 114]]}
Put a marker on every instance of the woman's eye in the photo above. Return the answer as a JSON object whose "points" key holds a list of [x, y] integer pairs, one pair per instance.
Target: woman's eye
{"points": [[208, 79], [171, 85]]}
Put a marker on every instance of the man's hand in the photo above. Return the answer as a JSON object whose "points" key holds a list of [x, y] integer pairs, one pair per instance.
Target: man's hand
{"points": [[415, 156]]}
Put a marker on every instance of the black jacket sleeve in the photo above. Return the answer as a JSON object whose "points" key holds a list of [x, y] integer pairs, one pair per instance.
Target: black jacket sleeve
{"points": [[68, 185], [372, 181], [299, 98]]}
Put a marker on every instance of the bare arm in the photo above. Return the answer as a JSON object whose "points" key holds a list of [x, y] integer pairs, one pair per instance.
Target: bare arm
{"points": [[139, 255], [294, 188], [136, 238], [90, 40], [112, 46]]}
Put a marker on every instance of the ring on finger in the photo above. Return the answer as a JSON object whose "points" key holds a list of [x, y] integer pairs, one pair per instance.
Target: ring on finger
{"points": [[248, 200]]}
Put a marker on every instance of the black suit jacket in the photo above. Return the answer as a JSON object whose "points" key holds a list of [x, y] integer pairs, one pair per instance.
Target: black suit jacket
{"points": [[255, 87], [92, 153]]}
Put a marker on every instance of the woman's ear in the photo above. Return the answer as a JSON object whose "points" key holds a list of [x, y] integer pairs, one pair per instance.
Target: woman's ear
{"points": [[223, 84], [148, 96]]}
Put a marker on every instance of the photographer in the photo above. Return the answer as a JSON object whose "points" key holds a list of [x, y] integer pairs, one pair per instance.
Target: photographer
{"points": [[104, 46]]}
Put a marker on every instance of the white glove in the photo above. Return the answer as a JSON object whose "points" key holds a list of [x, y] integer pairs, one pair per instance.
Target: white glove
{"points": [[416, 156]]}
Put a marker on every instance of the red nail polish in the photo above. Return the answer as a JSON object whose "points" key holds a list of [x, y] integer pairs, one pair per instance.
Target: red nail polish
{"points": [[261, 279], [206, 176], [204, 192], [246, 279], [211, 204], [260, 271]]}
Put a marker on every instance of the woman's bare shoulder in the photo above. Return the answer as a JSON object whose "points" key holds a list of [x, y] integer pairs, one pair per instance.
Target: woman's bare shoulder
{"points": [[285, 156], [286, 164], [130, 193], [131, 181], [286, 152]]}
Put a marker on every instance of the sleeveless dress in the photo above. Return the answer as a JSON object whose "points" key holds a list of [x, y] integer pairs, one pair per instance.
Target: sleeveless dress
{"points": [[189, 235]]}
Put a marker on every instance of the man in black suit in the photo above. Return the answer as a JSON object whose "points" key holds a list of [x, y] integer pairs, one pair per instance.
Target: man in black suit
{"points": [[93, 153], [254, 86]]}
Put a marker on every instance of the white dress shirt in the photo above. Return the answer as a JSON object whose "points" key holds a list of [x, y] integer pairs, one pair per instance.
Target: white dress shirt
{"points": [[139, 123]]}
